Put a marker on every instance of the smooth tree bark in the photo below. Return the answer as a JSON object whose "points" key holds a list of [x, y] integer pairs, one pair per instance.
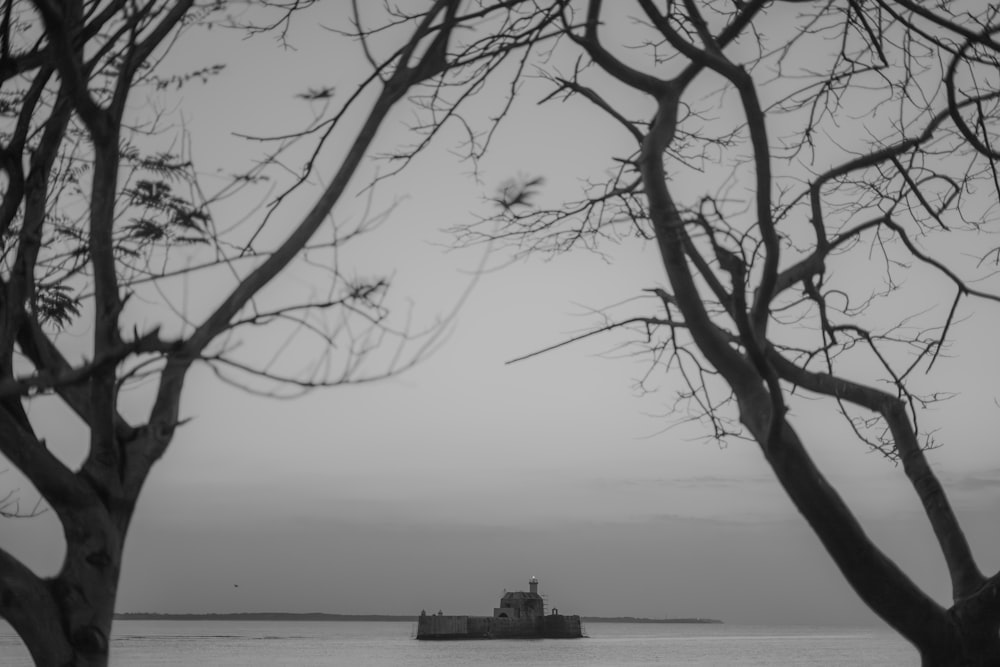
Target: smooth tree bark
{"points": [[89, 217], [843, 144]]}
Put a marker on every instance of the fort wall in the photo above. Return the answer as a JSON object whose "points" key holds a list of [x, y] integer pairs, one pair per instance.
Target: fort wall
{"points": [[512, 627], [559, 626], [442, 627], [491, 627]]}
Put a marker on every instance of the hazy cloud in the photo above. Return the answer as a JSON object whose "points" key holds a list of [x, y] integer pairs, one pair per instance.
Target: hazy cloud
{"points": [[974, 482], [701, 481]]}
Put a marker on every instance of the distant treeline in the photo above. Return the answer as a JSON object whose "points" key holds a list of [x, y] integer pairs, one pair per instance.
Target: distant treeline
{"points": [[262, 616], [286, 616], [634, 619]]}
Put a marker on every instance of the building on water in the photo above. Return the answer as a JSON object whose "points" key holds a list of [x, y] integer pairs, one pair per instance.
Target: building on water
{"points": [[520, 615]]}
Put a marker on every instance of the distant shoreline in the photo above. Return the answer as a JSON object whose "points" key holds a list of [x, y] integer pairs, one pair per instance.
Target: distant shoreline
{"points": [[634, 619], [290, 616]]}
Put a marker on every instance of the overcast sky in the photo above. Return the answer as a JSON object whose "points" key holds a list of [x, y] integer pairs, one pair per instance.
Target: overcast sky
{"points": [[464, 476]]}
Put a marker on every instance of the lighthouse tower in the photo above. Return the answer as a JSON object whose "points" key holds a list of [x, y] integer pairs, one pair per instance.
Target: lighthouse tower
{"points": [[533, 585]]}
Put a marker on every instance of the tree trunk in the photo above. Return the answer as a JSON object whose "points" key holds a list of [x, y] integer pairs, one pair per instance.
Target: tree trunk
{"points": [[69, 629], [85, 626], [974, 642], [58, 625], [65, 621], [967, 654]]}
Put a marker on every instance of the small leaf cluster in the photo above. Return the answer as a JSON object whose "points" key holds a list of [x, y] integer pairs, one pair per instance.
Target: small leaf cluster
{"points": [[165, 216], [56, 305]]}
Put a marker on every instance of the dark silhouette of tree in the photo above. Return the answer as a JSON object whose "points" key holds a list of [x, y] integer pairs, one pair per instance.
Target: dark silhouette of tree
{"points": [[101, 227], [794, 162], [791, 160]]}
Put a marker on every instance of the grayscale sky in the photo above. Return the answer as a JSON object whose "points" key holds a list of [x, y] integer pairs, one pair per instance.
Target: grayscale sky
{"points": [[439, 488]]}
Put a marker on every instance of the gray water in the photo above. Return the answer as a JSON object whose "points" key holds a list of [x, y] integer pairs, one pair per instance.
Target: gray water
{"points": [[381, 644]]}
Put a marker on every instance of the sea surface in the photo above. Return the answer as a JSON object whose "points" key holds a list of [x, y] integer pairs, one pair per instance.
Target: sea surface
{"points": [[390, 644]]}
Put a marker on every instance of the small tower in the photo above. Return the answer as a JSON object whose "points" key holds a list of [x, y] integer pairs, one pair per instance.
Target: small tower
{"points": [[533, 585]]}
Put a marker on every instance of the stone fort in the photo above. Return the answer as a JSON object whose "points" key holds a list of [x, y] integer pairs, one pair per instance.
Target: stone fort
{"points": [[520, 615]]}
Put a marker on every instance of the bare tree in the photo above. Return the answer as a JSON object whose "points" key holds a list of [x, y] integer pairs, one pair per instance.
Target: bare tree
{"points": [[845, 144], [794, 162], [101, 227]]}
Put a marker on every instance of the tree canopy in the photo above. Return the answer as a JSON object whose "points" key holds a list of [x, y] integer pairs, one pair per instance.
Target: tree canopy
{"points": [[107, 225], [803, 168]]}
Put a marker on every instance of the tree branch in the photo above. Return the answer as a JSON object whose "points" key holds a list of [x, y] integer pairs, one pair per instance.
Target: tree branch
{"points": [[965, 574]]}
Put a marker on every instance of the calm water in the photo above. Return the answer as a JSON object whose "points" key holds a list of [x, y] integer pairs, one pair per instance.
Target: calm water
{"points": [[370, 644]]}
